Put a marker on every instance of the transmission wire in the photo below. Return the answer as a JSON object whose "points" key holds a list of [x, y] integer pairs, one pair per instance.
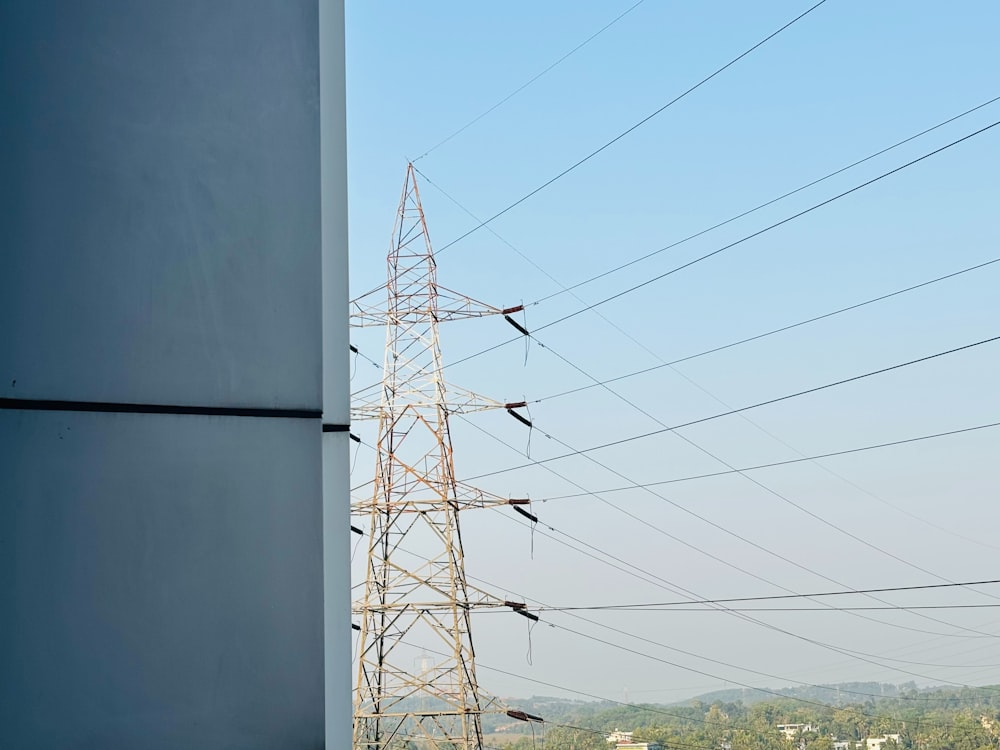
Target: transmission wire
{"points": [[624, 133]]}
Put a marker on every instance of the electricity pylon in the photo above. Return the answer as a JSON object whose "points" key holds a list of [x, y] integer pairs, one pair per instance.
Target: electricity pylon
{"points": [[416, 678]]}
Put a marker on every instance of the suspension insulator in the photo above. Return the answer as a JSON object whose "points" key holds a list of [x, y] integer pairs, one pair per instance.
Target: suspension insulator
{"points": [[530, 516], [518, 326]]}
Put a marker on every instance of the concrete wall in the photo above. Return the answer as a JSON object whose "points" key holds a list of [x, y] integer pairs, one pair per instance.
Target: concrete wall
{"points": [[162, 250]]}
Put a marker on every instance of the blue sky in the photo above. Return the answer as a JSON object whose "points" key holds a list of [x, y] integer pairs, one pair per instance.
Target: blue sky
{"points": [[847, 80]]}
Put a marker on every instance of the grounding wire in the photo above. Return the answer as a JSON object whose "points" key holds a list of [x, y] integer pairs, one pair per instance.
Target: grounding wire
{"points": [[531, 80]]}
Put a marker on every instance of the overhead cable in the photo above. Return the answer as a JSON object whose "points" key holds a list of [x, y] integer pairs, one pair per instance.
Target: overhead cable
{"points": [[531, 80], [729, 246], [781, 597], [651, 433], [772, 332], [777, 224], [781, 197], [676, 588], [786, 462], [770, 490], [637, 125]]}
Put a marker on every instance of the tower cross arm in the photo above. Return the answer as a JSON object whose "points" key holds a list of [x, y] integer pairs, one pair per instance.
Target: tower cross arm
{"points": [[463, 497], [371, 402], [450, 305]]}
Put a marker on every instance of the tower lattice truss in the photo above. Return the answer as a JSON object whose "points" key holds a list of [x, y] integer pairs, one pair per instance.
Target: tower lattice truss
{"points": [[416, 675]]}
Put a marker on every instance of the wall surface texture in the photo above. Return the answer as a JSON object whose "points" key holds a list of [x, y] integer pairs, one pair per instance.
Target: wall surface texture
{"points": [[161, 368]]}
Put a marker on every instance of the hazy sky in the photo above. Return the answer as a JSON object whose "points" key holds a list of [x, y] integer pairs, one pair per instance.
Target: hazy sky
{"points": [[849, 79]]}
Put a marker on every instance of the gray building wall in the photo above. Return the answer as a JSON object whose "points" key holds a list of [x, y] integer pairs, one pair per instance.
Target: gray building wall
{"points": [[164, 244]]}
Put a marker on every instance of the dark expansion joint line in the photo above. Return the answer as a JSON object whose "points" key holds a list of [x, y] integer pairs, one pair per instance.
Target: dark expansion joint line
{"points": [[110, 407]]}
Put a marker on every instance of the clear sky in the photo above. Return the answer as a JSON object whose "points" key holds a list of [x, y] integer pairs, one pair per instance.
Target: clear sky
{"points": [[849, 79]]}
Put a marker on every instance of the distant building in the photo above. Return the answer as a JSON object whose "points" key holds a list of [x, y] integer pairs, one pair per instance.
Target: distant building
{"points": [[624, 741], [791, 731], [876, 743]]}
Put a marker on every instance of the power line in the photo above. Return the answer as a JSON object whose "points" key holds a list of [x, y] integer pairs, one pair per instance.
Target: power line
{"points": [[531, 80], [761, 485], [802, 458], [770, 490], [570, 610], [624, 133], [837, 649], [752, 671], [664, 363], [853, 450], [708, 674], [543, 607], [584, 451], [827, 610], [846, 652], [787, 462], [781, 597], [769, 551], [850, 652], [748, 339], [884, 667], [731, 245], [770, 465], [784, 221], [772, 332], [669, 585], [720, 604], [564, 288], [814, 457], [781, 197]]}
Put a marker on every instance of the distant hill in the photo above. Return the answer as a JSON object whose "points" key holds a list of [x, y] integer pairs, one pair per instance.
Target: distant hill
{"points": [[839, 694], [969, 718]]}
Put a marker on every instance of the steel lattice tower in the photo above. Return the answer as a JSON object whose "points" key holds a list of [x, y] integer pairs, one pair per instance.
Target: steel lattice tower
{"points": [[416, 678]]}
